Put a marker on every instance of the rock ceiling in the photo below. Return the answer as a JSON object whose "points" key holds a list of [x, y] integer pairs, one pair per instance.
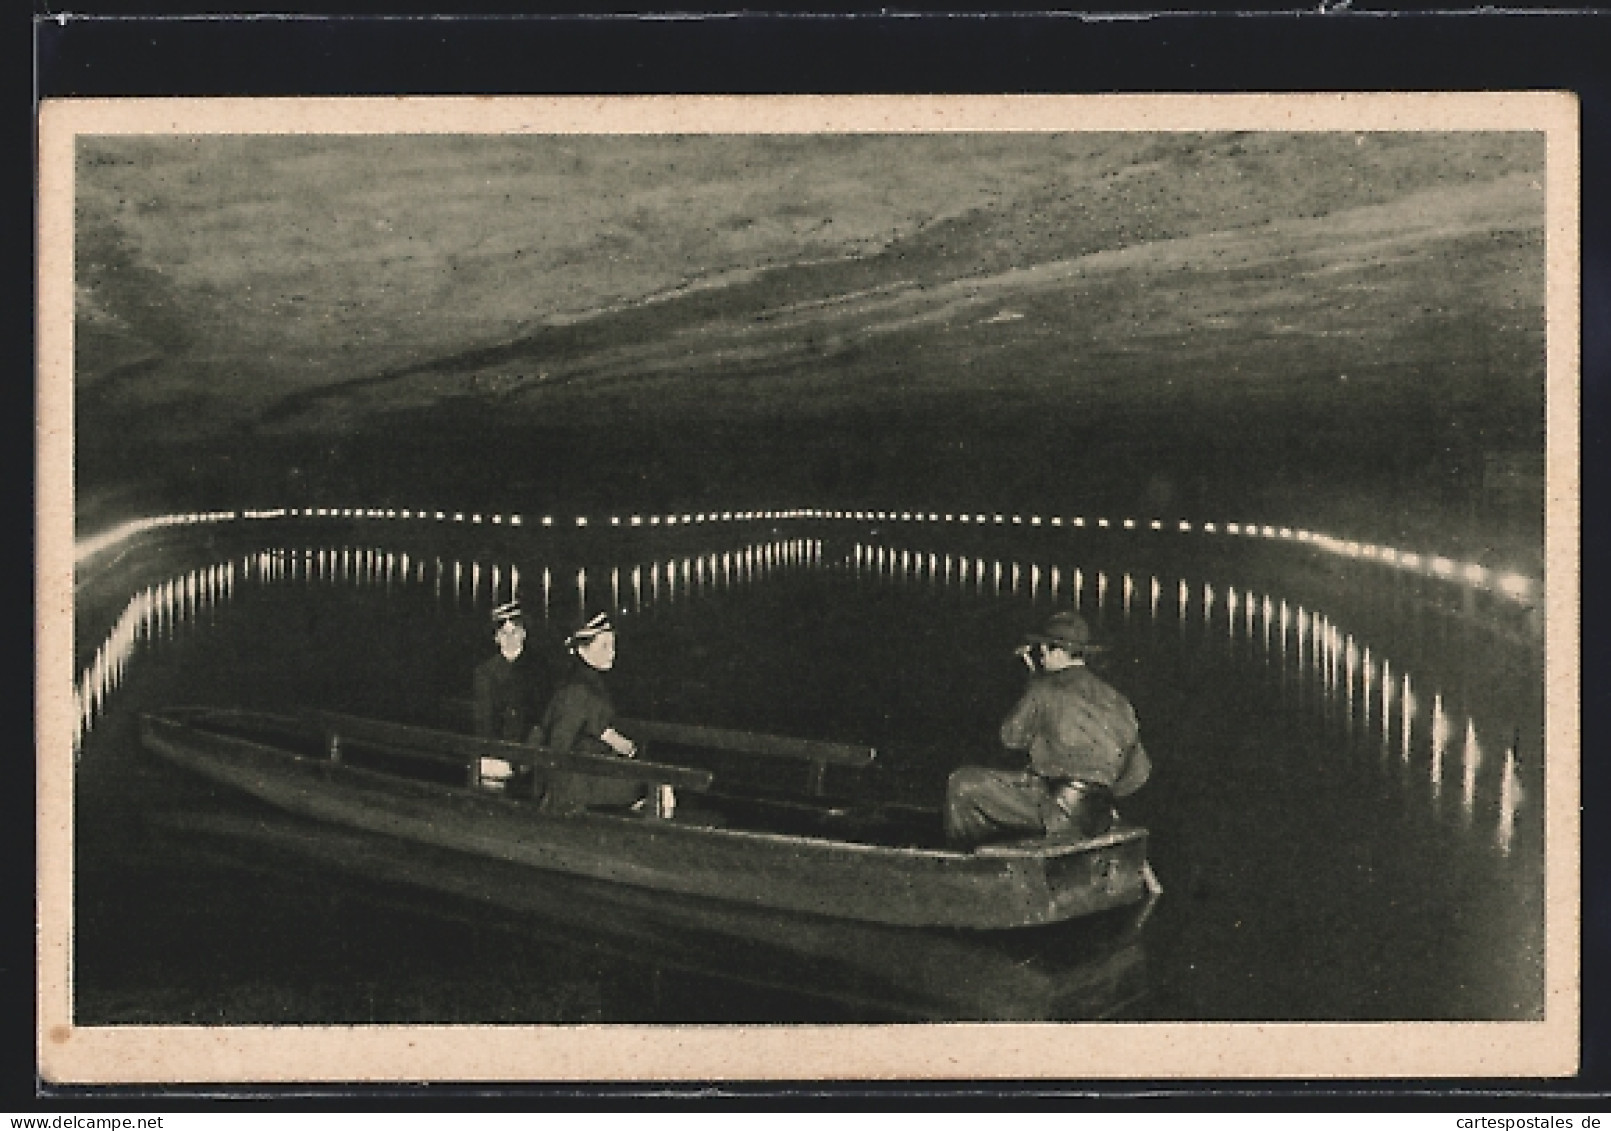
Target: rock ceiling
{"points": [[238, 291]]}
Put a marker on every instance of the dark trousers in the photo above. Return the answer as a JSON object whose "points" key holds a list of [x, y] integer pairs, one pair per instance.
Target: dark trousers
{"points": [[982, 805], [560, 792]]}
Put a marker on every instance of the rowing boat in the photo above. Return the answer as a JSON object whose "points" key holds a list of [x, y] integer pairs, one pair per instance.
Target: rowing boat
{"points": [[803, 853]]}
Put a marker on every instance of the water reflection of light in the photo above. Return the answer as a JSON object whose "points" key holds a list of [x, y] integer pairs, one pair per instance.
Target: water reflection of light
{"points": [[1156, 592], [1127, 589], [1470, 759], [1406, 702], [1387, 701], [1367, 680], [1350, 666], [1440, 740], [1509, 801]]}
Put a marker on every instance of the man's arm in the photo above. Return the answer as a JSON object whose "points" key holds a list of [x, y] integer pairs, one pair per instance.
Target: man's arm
{"points": [[573, 726], [564, 720], [1137, 769], [1020, 726]]}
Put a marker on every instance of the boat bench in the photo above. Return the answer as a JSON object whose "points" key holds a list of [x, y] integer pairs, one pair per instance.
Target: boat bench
{"points": [[468, 752], [819, 755]]}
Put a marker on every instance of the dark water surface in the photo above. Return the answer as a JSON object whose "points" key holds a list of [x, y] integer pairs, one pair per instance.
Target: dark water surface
{"points": [[1345, 809]]}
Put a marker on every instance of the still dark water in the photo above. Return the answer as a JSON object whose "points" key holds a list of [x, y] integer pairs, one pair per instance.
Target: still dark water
{"points": [[1345, 808]]}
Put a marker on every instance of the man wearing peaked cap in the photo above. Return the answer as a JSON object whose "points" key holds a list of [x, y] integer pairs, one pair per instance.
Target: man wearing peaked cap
{"points": [[506, 688], [1083, 744]]}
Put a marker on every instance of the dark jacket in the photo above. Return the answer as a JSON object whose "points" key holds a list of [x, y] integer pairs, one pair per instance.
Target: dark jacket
{"points": [[1076, 727], [506, 697], [580, 711]]}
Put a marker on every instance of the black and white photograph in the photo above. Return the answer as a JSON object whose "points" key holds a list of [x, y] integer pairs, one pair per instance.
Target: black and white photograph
{"points": [[778, 587]]}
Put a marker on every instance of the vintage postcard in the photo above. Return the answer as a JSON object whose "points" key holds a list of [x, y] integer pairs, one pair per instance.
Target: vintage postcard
{"points": [[720, 588]]}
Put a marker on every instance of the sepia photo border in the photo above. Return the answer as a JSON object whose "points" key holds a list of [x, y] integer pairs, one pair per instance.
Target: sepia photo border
{"points": [[69, 1054]]}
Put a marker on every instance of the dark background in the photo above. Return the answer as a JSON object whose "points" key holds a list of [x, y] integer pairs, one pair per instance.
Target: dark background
{"points": [[1356, 50]]}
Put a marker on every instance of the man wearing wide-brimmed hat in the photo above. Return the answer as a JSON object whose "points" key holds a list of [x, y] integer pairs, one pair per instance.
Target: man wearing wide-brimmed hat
{"points": [[1083, 744]]}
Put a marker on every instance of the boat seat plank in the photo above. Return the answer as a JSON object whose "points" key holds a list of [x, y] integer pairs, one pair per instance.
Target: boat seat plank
{"points": [[747, 742], [1044, 845], [461, 749]]}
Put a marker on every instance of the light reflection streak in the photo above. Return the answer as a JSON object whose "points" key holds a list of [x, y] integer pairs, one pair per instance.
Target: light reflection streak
{"points": [[1440, 742], [1509, 801], [1387, 703], [1470, 759], [1367, 670], [1406, 701]]}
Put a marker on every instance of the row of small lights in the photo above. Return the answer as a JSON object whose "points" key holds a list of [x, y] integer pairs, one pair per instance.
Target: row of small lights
{"points": [[517, 520], [1512, 585]]}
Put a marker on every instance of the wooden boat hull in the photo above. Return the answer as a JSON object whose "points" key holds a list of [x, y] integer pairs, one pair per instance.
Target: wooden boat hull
{"points": [[1007, 886], [1084, 970]]}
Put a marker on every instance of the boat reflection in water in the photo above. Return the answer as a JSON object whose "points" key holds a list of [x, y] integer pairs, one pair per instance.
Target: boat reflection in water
{"points": [[1082, 970]]}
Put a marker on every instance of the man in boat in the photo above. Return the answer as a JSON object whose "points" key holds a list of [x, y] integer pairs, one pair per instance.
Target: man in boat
{"points": [[580, 719], [505, 695], [1083, 745]]}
